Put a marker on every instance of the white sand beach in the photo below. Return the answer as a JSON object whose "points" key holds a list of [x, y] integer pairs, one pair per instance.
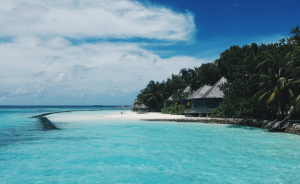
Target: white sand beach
{"points": [[98, 115], [145, 115]]}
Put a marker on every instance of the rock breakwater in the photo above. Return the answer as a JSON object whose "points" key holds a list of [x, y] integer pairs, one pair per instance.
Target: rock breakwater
{"points": [[46, 123], [294, 128]]}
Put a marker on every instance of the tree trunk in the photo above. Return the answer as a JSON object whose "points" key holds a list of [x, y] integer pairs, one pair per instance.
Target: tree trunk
{"points": [[157, 105]]}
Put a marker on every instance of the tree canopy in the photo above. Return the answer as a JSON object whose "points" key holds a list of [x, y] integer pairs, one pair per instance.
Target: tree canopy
{"points": [[275, 66]]}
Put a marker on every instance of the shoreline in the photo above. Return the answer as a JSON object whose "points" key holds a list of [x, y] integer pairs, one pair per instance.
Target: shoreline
{"points": [[156, 116]]}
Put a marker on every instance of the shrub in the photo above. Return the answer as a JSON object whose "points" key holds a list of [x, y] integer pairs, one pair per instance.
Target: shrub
{"points": [[174, 109]]}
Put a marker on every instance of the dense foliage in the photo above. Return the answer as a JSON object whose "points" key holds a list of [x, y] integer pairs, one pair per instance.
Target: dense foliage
{"points": [[261, 79], [174, 109]]}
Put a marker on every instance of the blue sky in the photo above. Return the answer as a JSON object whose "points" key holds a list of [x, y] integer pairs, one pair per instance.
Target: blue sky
{"points": [[102, 52], [220, 24]]}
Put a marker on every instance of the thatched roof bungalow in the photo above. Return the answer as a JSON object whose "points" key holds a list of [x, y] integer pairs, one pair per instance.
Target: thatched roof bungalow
{"points": [[206, 98], [184, 101], [199, 93]]}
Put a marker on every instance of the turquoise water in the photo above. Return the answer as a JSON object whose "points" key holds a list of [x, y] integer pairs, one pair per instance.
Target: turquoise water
{"points": [[133, 151]]}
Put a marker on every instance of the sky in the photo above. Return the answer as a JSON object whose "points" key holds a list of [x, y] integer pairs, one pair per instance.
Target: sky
{"points": [[103, 52]]}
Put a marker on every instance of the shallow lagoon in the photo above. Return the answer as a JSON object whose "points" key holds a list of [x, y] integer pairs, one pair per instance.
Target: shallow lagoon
{"points": [[133, 151]]}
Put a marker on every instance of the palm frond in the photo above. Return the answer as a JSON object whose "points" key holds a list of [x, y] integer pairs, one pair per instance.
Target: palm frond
{"points": [[149, 99], [262, 96], [272, 96], [296, 102], [139, 102], [291, 93], [296, 81], [259, 75], [258, 93], [281, 82], [149, 94]]}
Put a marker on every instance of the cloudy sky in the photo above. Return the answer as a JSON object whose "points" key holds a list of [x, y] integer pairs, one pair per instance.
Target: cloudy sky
{"points": [[102, 52]]}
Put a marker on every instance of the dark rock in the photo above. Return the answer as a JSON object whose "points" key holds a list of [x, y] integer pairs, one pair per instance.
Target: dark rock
{"points": [[46, 123]]}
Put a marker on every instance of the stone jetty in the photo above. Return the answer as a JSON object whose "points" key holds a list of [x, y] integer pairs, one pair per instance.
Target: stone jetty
{"points": [[46, 123]]}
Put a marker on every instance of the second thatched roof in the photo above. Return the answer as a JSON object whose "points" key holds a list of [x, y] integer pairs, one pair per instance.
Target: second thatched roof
{"points": [[186, 90], [215, 91], [199, 93], [143, 106]]}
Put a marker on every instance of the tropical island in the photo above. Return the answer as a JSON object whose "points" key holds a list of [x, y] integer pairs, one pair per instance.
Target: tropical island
{"points": [[250, 82]]}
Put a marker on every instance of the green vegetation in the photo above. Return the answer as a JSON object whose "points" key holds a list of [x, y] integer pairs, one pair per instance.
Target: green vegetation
{"points": [[156, 92], [174, 109], [262, 79], [151, 95], [276, 85]]}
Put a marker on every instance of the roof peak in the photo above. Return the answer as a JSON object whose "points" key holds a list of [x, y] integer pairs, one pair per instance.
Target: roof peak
{"points": [[186, 90], [199, 93], [214, 91]]}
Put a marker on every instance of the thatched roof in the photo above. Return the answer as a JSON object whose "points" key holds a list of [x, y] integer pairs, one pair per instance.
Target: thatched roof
{"points": [[170, 98], [186, 90], [205, 91], [137, 106], [143, 106], [199, 93], [214, 91]]}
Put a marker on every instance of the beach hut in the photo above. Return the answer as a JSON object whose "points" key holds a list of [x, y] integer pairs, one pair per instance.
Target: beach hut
{"points": [[121, 107], [137, 106], [168, 102], [206, 98], [183, 101], [143, 106], [196, 103]]}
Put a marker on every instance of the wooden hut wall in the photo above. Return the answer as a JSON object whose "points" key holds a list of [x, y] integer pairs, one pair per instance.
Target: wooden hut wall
{"points": [[205, 105], [168, 103], [212, 103], [199, 105]]}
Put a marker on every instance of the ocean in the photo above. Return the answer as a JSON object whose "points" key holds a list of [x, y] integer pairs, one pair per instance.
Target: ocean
{"points": [[134, 151]]}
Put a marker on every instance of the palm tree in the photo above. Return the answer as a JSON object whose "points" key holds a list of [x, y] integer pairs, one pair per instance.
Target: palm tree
{"points": [[275, 89], [275, 85], [295, 69], [155, 92]]}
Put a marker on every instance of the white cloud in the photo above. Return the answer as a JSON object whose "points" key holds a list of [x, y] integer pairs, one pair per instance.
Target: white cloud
{"points": [[39, 74], [54, 43], [117, 91], [2, 98], [20, 91], [40, 92], [74, 94], [59, 78], [114, 64], [92, 18], [81, 68], [41, 62]]}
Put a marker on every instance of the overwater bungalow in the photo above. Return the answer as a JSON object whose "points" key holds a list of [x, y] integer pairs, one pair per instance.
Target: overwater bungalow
{"points": [[183, 101], [205, 99]]}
